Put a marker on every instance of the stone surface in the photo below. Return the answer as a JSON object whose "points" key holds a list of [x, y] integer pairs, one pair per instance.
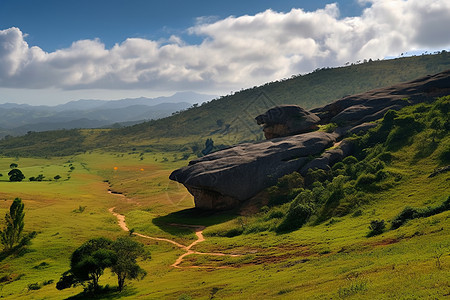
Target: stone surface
{"points": [[329, 157], [287, 120], [225, 178], [362, 128], [372, 105]]}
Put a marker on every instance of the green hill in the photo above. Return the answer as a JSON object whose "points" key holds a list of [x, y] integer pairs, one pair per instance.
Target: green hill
{"points": [[374, 226], [230, 119]]}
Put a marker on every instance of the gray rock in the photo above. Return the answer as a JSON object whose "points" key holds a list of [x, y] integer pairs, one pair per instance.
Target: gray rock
{"points": [[287, 120], [362, 128], [372, 105], [224, 179], [329, 157]]}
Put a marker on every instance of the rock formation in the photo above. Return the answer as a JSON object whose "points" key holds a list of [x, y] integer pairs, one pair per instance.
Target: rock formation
{"points": [[224, 179], [287, 120]]}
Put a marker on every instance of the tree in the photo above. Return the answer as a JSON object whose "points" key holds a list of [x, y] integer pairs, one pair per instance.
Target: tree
{"points": [[16, 175], [87, 264], [13, 165], [57, 177], [126, 267], [14, 223]]}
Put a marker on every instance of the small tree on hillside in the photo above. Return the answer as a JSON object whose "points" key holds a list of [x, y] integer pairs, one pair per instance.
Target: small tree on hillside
{"points": [[126, 267], [13, 165], [88, 263], [16, 175], [14, 223]]}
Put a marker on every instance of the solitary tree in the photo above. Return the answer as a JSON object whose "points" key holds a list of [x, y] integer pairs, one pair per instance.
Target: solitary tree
{"points": [[88, 263], [16, 175], [14, 223], [126, 267], [13, 165], [57, 177]]}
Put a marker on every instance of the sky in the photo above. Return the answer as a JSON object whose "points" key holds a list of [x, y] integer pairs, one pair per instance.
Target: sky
{"points": [[54, 51]]}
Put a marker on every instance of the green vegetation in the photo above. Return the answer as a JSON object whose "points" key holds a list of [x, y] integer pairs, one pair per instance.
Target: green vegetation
{"points": [[186, 132], [14, 223], [356, 181], [322, 236], [409, 213], [88, 262], [16, 175]]}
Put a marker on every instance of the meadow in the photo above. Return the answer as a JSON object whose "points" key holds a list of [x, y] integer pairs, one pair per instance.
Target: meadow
{"points": [[334, 259]]}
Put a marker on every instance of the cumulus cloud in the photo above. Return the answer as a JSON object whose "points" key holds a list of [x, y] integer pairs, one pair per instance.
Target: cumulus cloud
{"points": [[235, 52]]}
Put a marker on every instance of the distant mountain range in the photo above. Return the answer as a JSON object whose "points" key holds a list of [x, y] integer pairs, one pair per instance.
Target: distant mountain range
{"points": [[18, 119]]}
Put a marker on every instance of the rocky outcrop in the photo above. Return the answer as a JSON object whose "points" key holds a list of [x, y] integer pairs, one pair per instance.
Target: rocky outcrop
{"points": [[372, 105], [287, 120], [225, 178], [329, 157]]}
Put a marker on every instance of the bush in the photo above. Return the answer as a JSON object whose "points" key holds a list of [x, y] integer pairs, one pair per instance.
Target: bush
{"points": [[298, 213], [376, 227], [296, 217], [349, 160], [409, 213], [365, 180], [286, 189], [34, 286]]}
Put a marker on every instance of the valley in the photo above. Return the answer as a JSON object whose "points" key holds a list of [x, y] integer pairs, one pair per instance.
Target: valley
{"points": [[306, 236]]}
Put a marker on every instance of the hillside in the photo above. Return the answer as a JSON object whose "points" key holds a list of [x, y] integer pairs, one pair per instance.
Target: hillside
{"points": [[375, 226], [230, 119]]}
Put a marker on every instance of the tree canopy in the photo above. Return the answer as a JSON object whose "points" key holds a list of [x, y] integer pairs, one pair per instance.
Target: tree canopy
{"points": [[14, 224], [89, 261], [16, 175]]}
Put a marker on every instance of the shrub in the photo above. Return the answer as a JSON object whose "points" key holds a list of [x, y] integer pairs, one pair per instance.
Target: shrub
{"points": [[338, 166], [376, 227], [298, 213], [365, 180], [350, 160], [409, 213], [34, 286], [286, 189], [317, 175]]}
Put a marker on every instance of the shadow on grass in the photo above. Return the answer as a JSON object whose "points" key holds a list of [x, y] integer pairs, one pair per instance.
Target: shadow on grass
{"points": [[192, 216], [105, 293]]}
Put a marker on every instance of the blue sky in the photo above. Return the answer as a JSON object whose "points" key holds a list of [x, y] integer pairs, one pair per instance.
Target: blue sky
{"points": [[55, 51], [55, 24]]}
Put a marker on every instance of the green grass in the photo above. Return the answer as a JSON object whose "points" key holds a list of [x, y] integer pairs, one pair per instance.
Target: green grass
{"points": [[321, 260]]}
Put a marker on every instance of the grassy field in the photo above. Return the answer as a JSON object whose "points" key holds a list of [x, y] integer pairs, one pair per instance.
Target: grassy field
{"points": [[331, 260]]}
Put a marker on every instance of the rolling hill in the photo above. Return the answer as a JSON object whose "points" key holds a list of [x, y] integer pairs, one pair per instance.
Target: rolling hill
{"points": [[18, 119], [229, 119]]}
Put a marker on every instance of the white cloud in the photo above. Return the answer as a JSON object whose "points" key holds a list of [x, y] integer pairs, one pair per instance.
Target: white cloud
{"points": [[235, 52]]}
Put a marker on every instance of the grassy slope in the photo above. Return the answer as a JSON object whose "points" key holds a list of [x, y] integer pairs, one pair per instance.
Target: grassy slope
{"points": [[330, 260], [230, 119]]}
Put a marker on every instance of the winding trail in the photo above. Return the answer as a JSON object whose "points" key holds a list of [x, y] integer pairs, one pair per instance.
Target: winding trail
{"points": [[198, 232]]}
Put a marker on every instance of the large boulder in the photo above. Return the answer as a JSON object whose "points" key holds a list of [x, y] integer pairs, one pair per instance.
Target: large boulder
{"points": [[287, 120], [224, 179]]}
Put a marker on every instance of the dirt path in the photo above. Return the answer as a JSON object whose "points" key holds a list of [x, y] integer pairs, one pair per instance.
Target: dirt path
{"points": [[198, 232]]}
